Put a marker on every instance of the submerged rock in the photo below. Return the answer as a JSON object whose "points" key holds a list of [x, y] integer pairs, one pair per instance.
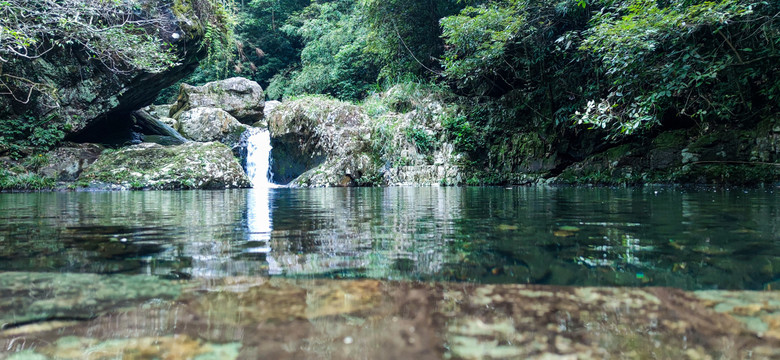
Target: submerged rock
{"points": [[241, 98], [283, 318], [151, 166]]}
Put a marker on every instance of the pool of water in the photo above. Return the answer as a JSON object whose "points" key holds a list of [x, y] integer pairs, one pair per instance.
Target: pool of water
{"points": [[683, 238]]}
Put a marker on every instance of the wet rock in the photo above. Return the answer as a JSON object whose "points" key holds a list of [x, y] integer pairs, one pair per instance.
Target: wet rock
{"points": [[324, 142], [320, 142], [39, 297], [151, 166], [159, 111], [241, 98], [206, 124], [168, 347], [269, 107], [312, 319], [68, 162]]}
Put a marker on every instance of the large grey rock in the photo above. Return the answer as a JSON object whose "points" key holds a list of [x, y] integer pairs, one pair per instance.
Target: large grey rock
{"points": [[242, 98], [321, 142], [151, 166], [162, 113], [269, 107], [68, 162], [211, 124]]}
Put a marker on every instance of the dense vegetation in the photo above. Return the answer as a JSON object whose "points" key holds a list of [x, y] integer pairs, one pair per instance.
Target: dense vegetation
{"points": [[524, 76], [557, 68]]}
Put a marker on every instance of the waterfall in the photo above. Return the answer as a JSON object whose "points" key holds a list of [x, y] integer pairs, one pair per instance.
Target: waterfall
{"points": [[258, 158], [258, 161]]}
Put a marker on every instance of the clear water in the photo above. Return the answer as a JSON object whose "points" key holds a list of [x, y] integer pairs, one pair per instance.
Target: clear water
{"points": [[690, 239]]}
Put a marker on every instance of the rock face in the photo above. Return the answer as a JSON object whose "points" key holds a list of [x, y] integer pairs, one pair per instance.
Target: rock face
{"points": [[241, 98], [152, 166], [413, 147], [88, 93], [720, 156], [320, 142], [323, 142], [206, 124]]}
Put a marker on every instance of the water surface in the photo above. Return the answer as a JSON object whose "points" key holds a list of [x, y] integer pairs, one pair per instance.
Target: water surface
{"points": [[689, 239]]}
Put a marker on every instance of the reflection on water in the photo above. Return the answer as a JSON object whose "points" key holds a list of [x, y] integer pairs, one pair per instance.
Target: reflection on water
{"points": [[565, 236]]}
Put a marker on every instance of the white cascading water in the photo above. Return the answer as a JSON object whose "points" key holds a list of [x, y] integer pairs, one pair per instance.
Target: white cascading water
{"points": [[258, 158], [258, 161]]}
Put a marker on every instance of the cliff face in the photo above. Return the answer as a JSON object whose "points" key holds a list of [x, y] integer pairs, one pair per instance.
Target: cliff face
{"points": [[77, 88]]}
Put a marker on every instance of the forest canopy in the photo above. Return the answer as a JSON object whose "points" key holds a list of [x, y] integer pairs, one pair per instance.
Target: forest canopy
{"points": [[621, 65]]}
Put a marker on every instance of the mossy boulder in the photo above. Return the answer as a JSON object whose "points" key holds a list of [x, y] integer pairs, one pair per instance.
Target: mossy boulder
{"points": [[206, 124], [241, 98], [321, 142], [68, 162], [151, 166]]}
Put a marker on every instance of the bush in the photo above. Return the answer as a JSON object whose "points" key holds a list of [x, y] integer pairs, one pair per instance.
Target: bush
{"points": [[27, 181], [25, 132]]}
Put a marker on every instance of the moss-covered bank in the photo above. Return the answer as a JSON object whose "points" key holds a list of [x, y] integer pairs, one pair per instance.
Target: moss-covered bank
{"points": [[413, 134]]}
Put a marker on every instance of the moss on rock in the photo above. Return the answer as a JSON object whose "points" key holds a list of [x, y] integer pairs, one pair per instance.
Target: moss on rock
{"points": [[152, 166]]}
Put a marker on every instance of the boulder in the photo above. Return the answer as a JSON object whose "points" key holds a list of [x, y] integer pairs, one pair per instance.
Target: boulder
{"points": [[161, 113], [151, 166], [269, 107], [68, 162], [321, 142], [242, 98], [205, 124]]}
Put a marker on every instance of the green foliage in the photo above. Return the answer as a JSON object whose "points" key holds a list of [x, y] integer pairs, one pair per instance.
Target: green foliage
{"points": [[461, 132], [332, 61], [26, 181], [218, 23], [501, 46], [421, 139], [25, 132], [35, 162], [711, 61], [265, 48], [404, 35]]}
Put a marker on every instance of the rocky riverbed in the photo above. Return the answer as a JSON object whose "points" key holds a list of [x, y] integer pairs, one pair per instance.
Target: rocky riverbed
{"points": [[71, 316]]}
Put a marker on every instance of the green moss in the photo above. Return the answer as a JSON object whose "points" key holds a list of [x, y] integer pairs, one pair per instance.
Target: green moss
{"points": [[728, 173], [671, 139], [192, 165]]}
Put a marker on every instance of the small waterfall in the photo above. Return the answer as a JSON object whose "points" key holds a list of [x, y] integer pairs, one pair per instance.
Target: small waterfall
{"points": [[258, 158], [258, 168]]}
